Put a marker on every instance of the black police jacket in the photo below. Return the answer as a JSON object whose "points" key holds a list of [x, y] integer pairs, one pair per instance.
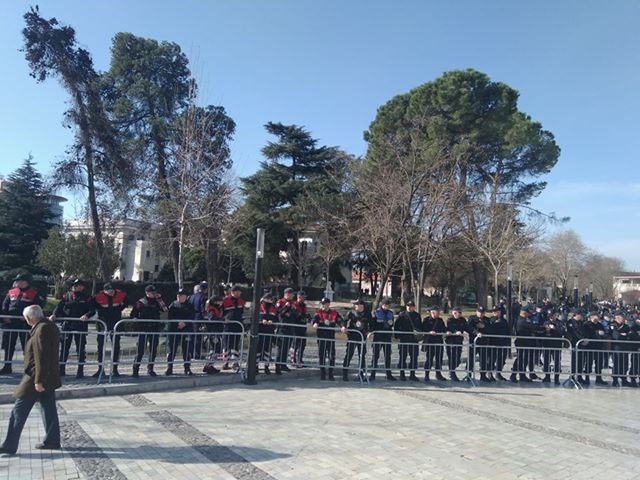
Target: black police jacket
{"points": [[430, 324], [148, 308], [358, 321], [456, 325], [406, 324], [575, 331], [75, 305], [620, 334], [16, 301], [478, 325], [181, 311], [596, 336], [499, 326]]}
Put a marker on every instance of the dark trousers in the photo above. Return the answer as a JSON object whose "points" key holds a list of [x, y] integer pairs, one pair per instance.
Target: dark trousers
{"points": [[284, 344], [435, 353], [524, 359], [9, 340], [80, 339], [597, 359], [299, 344], [578, 362], [497, 358], [20, 412], [174, 339], [196, 342], [454, 356], [634, 371], [264, 347], [620, 364], [352, 346], [152, 341], [556, 356], [327, 351], [231, 341], [410, 350], [386, 351], [115, 345]]}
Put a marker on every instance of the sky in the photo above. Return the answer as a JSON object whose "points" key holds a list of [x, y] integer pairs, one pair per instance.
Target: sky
{"points": [[328, 65]]}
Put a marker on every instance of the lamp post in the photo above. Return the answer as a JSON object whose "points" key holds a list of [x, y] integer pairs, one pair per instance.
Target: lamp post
{"points": [[590, 294], [257, 288], [575, 291], [509, 294]]}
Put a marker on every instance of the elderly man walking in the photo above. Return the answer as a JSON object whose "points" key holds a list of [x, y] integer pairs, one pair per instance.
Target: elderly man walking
{"points": [[39, 382]]}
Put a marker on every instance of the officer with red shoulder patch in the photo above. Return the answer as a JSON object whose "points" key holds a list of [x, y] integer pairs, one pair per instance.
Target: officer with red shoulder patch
{"points": [[148, 307], [325, 321], [233, 306], [109, 303], [17, 299], [288, 317]]}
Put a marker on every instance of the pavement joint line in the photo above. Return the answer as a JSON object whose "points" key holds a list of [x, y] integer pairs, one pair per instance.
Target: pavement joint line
{"points": [[524, 424], [78, 444], [233, 463]]}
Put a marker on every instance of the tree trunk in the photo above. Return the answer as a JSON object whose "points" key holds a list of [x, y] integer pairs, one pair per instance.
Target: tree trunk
{"points": [[495, 287], [480, 277], [384, 277], [406, 286]]}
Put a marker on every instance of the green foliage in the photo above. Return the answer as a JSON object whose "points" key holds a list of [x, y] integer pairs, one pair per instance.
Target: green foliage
{"points": [[24, 215]]}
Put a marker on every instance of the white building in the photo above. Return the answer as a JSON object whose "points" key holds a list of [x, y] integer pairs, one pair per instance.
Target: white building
{"points": [[626, 287], [139, 262]]}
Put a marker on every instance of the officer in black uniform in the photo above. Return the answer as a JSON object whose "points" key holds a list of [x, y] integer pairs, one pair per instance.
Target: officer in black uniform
{"points": [[266, 330], [288, 317], [405, 328], [500, 341], [433, 342], [524, 346], [634, 336], [454, 338], [325, 321], [478, 325], [357, 323], [180, 332], [620, 333], [109, 303], [596, 339], [575, 333], [74, 304], [20, 296], [382, 325], [554, 332], [148, 307]]}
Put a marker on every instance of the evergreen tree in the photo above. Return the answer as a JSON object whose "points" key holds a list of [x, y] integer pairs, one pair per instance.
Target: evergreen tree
{"points": [[24, 215]]}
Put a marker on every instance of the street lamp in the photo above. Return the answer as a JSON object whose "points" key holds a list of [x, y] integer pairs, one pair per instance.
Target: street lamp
{"points": [[257, 288], [575, 290], [509, 293], [591, 294]]}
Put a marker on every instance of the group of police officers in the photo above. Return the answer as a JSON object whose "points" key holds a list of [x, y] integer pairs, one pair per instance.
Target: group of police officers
{"points": [[599, 338]]}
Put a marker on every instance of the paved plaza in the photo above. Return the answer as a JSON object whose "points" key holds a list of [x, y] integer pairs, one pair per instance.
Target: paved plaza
{"points": [[306, 429]]}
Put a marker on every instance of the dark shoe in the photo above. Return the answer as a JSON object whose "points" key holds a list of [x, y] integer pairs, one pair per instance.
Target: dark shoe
{"points": [[372, 376], [599, 381], [402, 376], [151, 373], [331, 377], [625, 383], [454, 377], [6, 370], [586, 381], [115, 372], [80, 373], [187, 371], [523, 378], [391, 377], [484, 378], [6, 453], [533, 376], [97, 374], [136, 372], [413, 377], [345, 375], [284, 368], [556, 380], [440, 377], [210, 369], [278, 370], [266, 370], [613, 384], [426, 377], [168, 371], [323, 376], [500, 377], [491, 379], [44, 446], [513, 378], [546, 379]]}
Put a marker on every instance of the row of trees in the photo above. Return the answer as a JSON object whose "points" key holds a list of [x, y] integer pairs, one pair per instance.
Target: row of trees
{"points": [[441, 198]]}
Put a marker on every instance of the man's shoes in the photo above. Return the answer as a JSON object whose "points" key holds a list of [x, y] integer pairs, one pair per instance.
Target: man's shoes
{"points": [[151, 373], [6, 453], [284, 368], [546, 379], [484, 378], [391, 377], [413, 378], [115, 372], [187, 371], [500, 377], [372, 376], [266, 370], [6, 370], [97, 374], [80, 373], [136, 371], [440, 377], [402, 376], [44, 446], [523, 378], [513, 378], [331, 377], [533, 376]]}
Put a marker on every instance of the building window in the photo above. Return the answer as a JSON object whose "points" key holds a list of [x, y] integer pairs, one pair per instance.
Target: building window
{"points": [[145, 276], [148, 253], [156, 268]]}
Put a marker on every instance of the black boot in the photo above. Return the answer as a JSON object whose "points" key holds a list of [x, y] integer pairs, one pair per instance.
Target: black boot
{"points": [[187, 370], [6, 370], [345, 375], [556, 380], [546, 379], [402, 376], [412, 376], [440, 377], [136, 371], [278, 369], [115, 372], [97, 374], [322, 374], [169, 370], [331, 377], [453, 377], [523, 378], [484, 378], [80, 372], [391, 377], [266, 369], [513, 378], [150, 371], [426, 376], [372, 376]]}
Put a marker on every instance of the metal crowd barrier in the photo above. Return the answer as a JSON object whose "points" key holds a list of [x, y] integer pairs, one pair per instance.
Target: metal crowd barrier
{"points": [[289, 346], [84, 355], [593, 356], [424, 354], [205, 345], [532, 356]]}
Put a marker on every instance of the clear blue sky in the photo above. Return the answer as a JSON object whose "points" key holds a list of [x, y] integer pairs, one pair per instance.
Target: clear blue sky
{"points": [[329, 64]]}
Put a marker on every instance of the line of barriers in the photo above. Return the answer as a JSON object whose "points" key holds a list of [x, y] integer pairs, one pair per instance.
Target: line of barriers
{"points": [[130, 344]]}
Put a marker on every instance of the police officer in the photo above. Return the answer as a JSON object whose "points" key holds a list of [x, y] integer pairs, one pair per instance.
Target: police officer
{"points": [[500, 341], [19, 297], [199, 302], [478, 325], [148, 307], [300, 331], [575, 333], [433, 342], [325, 321], [524, 346], [381, 325], [74, 304], [634, 336], [454, 337], [288, 318], [180, 332], [233, 306], [266, 330], [538, 320], [405, 328], [554, 332], [357, 327], [620, 333], [109, 303], [595, 334], [214, 325]]}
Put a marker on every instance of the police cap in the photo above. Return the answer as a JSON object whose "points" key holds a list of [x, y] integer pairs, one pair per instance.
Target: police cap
{"points": [[150, 288]]}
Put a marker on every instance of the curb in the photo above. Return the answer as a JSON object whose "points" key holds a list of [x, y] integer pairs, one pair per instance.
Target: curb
{"points": [[196, 381]]}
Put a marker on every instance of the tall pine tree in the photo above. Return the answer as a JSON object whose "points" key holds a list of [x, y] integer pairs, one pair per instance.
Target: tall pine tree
{"points": [[24, 215]]}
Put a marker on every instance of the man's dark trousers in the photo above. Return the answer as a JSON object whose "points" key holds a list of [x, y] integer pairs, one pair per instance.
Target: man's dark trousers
{"points": [[20, 412]]}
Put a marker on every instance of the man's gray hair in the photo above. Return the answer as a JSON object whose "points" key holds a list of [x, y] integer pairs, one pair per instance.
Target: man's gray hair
{"points": [[33, 312]]}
